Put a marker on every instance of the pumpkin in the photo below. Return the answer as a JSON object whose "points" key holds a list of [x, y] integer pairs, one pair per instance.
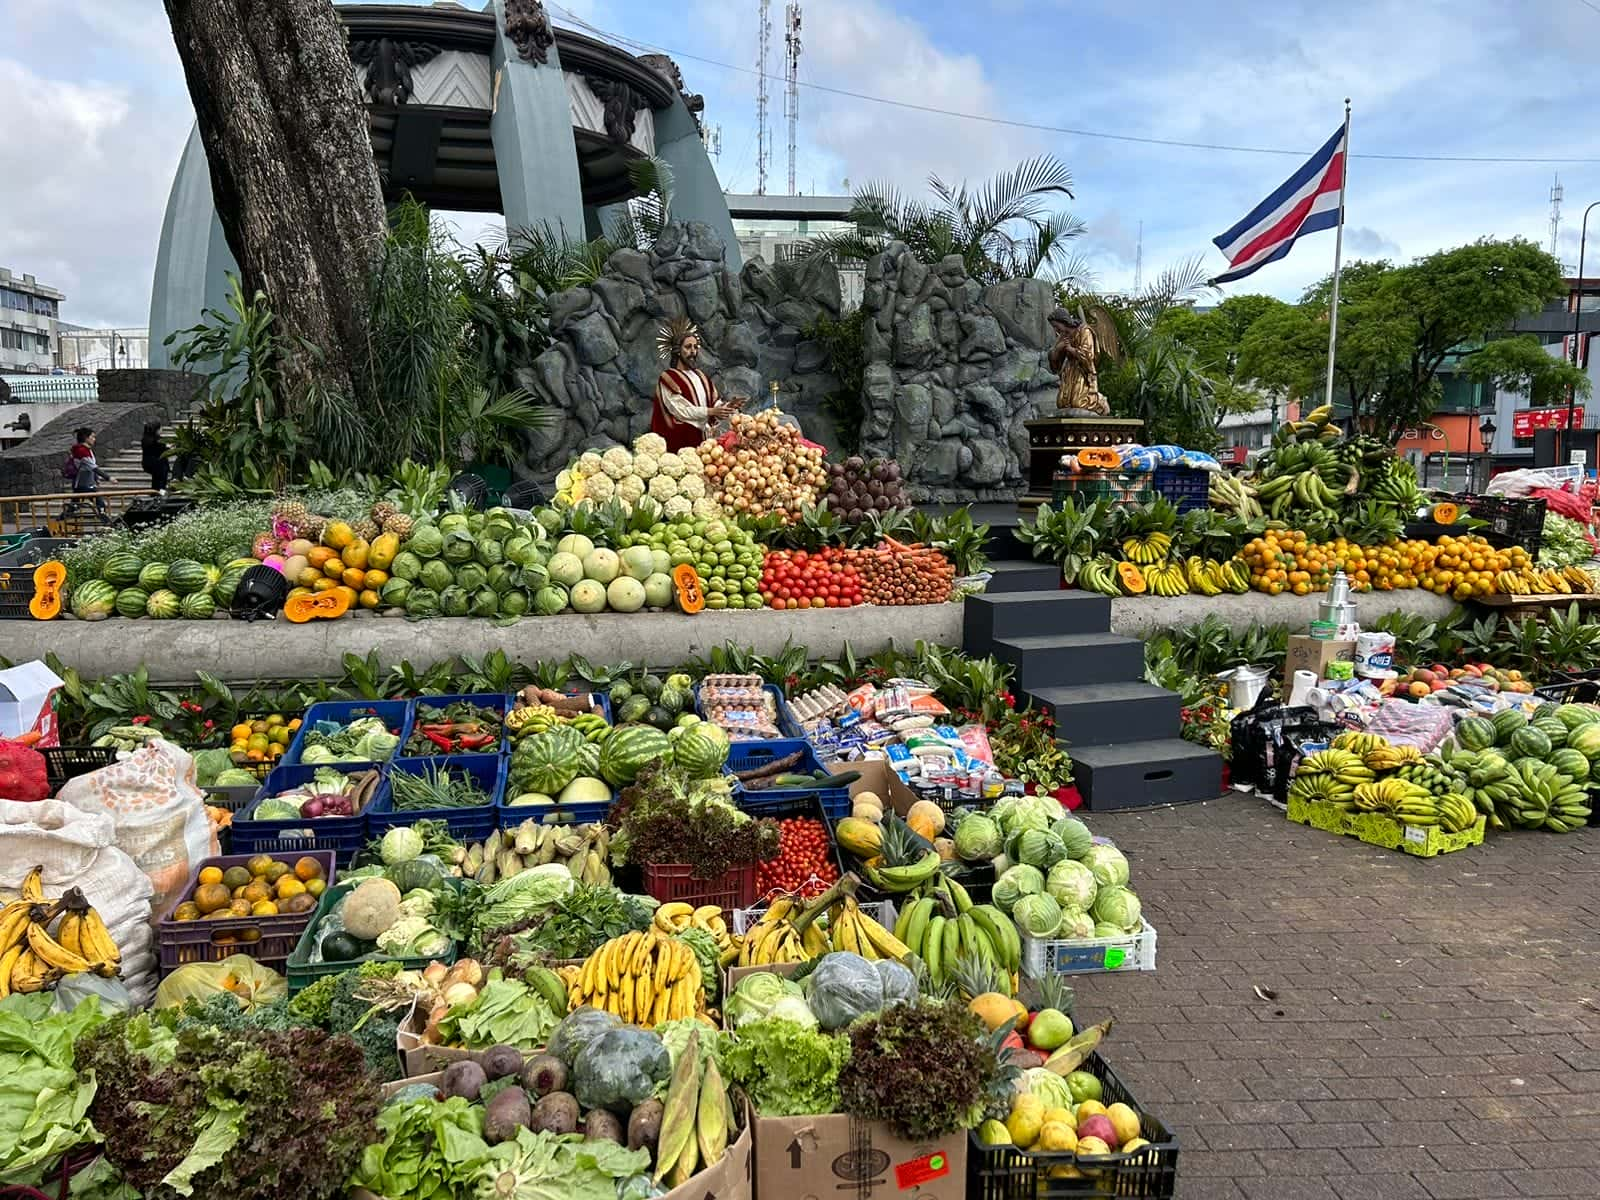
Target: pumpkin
{"points": [[1131, 579], [334, 602], [1099, 458], [1446, 513], [690, 598], [926, 818], [47, 580]]}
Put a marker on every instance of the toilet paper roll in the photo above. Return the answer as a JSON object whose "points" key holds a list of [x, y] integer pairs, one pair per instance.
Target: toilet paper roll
{"points": [[1302, 684]]}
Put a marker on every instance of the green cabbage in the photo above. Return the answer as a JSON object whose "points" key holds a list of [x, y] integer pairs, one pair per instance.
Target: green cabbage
{"points": [[1049, 1087], [1075, 924], [756, 996], [1105, 929], [1037, 848], [1110, 865], [1038, 916], [842, 989], [1074, 835], [1031, 812], [208, 764], [1072, 884], [1118, 906], [1017, 882], [977, 838], [400, 844]]}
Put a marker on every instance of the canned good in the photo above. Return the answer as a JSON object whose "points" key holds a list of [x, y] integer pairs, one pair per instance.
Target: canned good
{"points": [[1014, 787]]}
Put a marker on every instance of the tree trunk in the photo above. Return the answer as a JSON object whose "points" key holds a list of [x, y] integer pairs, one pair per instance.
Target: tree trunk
{"points": [[292, 173]]}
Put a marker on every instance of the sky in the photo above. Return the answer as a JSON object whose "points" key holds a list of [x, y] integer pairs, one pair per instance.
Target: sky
{"points": [[94, 114]]}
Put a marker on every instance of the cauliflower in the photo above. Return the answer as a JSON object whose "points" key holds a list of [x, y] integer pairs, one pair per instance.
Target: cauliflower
{"points": [[617, 462], [670, 465], [676, 507], [692, 486], [706, 508], [417, 903], [588, 465], [690, 458], [412, 937], [565, 480], [645, 465], [651, 443], [599, 488], [630, 489], [663, 487]]}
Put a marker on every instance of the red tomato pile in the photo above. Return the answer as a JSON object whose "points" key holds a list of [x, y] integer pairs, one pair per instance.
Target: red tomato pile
{"points": [[798, 579], [803, 852]]}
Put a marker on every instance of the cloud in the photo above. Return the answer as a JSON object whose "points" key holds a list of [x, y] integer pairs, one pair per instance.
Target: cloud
{"points": [[1362, 242]]}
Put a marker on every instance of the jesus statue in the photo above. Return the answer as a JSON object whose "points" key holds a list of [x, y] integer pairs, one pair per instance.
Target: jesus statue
{"points": [[688, 404]]}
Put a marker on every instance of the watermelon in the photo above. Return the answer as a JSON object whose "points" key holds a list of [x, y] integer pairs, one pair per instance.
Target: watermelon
{"points": [[701, 749], [674, 699], [627, 750], [240, 564], [589, 759], [122, 569], [548, 761], [1574, 716], [163, 604], [131, 602], [1552, 729], [1506, 723], [1586, 741], [1529, 742], [620, 691], [197, 606], [1571, 764], [186, 577], [153, 576], [93, 600], [1475, 733], [228, 585]]}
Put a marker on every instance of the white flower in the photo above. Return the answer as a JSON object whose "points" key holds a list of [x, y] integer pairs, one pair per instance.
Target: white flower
{"points": [[599, 488], [630, 489], [692, 486], [652, 444], [588, 464], [690, 458], [617, 462], [663, 487], [677, 507], [645, 465]]}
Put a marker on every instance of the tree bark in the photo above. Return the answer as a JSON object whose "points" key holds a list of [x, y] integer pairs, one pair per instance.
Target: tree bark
{"points": [[292, 173]]}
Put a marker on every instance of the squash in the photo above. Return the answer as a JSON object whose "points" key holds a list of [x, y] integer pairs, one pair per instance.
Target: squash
{"points": [[334, 602], [371, 908], [859, 837], [1446, 513], [926, 818], [1131, 579], [1099, 458], [690, 598], [47, 580]]}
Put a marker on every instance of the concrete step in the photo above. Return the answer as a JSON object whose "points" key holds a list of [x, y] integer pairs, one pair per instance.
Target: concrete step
{"points": [[1032, 576], [1141, 774], [1100, 714], [988, 618], [1054, 659]]}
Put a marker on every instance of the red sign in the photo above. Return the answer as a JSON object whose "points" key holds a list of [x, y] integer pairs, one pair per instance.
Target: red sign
{"points": [[1525, 421]]}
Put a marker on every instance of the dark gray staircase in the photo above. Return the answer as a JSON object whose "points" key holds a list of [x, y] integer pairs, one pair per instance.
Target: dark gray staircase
{"points": [[1121, 732], [1023, 577]]}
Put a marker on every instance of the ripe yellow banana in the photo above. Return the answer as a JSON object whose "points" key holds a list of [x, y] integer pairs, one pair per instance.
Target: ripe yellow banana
{"points": [[52, 953], [33, 885], [95, 942]]}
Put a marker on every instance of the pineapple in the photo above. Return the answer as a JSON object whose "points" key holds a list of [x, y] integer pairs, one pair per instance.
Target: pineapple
{"points": [[400, 525], [973, 977], [292, 513], [1053, 992], [382, 511], [366, 529]]}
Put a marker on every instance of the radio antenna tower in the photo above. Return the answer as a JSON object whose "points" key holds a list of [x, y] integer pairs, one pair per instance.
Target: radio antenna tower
{"points": [[791, 95], [711, 139], [763, 138], [1556, 193], [1138, 261]]}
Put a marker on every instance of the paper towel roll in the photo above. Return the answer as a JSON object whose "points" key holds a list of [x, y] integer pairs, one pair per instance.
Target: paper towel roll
{"points": [[1303, 682]]}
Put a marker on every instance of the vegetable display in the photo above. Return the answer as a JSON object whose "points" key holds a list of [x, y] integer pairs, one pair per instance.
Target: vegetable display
{"points": [[458, 728], [44, 1100]]}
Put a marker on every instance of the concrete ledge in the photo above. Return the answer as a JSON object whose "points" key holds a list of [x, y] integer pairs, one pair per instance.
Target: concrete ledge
{"points": [[1143, 616]]}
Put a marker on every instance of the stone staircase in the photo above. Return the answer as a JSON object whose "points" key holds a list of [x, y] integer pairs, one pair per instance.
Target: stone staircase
{"points": [[125, 465], [1121, 732]]}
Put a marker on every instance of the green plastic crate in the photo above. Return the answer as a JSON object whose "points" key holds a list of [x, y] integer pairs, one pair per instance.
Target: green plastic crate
{"points": [[302, 972]]}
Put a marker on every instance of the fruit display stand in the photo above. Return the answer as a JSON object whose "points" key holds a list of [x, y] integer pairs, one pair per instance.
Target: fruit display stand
{"points": [[302, 972], [1128, 952], [268, 940], [1150, 1172], [341, 836], [469, 824], [1377, 829]]}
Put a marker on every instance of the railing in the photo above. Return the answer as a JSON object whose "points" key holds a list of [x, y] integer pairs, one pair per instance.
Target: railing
{"points": [[68, 514], [54, 389]]}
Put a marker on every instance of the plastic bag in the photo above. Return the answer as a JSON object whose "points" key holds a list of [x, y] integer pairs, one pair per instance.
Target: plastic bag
{"points": [[72, 991], [239, 974], [843, 988], [577, 1029], [620, 1069]]}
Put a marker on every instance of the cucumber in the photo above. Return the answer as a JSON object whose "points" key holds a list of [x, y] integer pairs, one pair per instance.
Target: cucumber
{"points": [[790, 780], [843, 779]]}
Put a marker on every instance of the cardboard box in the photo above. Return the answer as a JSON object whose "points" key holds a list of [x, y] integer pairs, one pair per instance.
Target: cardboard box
{"points": [[28, 700], [877, 777], [822, 1156], [1314, 654]]}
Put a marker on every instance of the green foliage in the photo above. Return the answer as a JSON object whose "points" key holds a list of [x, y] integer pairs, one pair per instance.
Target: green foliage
{"points": [[844, 346]]}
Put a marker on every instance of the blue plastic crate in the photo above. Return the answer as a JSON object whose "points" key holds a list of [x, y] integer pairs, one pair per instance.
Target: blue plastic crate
{"points": [[749, 756], [500, 703], [488, 771], [1185, 488], [394, 714], [563, 814], [787, 725], [344, 836]]}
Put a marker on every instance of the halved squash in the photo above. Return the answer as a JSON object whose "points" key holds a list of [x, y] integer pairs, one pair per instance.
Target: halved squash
{"points": [[334, 602], [690, 598], [48, 579], [1131, 579], [1099, 458], [1445, 513]]}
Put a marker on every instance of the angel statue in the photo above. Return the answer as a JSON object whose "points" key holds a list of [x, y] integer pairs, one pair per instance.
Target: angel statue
{"points": [[1079, 342], [687, 403]]}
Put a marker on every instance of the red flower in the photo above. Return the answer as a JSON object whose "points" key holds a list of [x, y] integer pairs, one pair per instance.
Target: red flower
{"points": [[210, 724], [142, 719]]}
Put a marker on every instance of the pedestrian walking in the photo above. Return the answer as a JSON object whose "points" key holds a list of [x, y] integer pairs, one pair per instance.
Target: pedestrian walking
{"points": [[153, 457]]}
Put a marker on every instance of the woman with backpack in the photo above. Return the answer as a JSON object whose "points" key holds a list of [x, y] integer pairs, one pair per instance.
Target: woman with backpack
{"points": [[85, 473]]}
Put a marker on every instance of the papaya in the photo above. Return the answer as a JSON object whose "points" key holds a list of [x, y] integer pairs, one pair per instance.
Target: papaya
{"points": [[47, 581], [1131, 578], [382, 551], [328, 605], [1099, 458], [338, 534], [356, 554], [859, 837]]}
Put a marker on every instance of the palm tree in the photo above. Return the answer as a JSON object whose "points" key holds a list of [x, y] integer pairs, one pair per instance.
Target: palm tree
{"points": [[1005, 229]]}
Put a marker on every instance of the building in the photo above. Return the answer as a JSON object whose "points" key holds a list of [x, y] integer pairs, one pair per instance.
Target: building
{"points": [[775, 228], [29, 324], [85, 350]]}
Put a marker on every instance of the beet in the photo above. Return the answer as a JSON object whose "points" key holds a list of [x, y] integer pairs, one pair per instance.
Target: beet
{"points": [[500, 1061], [507, 1113], [464, 1078], [602, 1126], [555, 1113], [644, 1126], [545, 1074]]}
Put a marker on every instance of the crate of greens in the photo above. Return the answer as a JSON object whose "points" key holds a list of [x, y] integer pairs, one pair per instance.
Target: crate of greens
{"points": [[349, 731], [461, 790], [440, 725], [301, 809]]}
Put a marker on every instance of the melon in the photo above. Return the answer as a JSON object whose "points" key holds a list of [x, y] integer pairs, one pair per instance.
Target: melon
{"points": [[638, 562], [576, 545], [588, 596], [131, 602], [625, 595], [197, 606], [163, 604], [658, 590], [660, 562], [122, 569], [565, 568], [602, 566], [186, 576], [153, 577]]}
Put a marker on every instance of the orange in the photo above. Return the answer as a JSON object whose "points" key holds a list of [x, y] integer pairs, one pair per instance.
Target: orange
{"points": [[239, 732], [263, 908], [187, 911], [211, 875], [307, 868], [259, 864], [239, 908], [255, 892], [288, 886]]}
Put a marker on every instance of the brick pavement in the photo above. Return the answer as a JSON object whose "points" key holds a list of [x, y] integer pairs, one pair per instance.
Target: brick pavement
{"points": [[1429, 1038]]}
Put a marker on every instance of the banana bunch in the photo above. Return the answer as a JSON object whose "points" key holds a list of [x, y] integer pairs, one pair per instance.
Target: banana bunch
{"points": [[1391, 795], [1321, 789], [1167, 579], [1305, 490], [1347, 768], [582, 849], [956, 938], [674, 917], [1235, 495], [1309, 456], [644, 978], [1390, 758], [1451, 812], [1202, 576], [1234, 576], [1544, 581], [1099, 574], [854, 931], [787, 932], [1317, 425], [1146, 549], [1488, 781], [540, 718], [1546, 799], [32, 958], [1395, 485], [1436, 775], [1359, 742], [1372, 455]]}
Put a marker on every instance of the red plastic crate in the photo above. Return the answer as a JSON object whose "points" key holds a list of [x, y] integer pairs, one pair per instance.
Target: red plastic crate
{"points": [[268, 940], [674, 881]]}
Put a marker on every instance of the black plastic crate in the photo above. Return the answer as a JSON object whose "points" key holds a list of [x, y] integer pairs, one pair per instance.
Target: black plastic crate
{"points": [[1148, 1173], [62, 763], [1510, 522], [16, 574], [1571, 687], [1185, 488]]}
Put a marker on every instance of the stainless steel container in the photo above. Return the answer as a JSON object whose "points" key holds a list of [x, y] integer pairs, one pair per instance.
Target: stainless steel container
{"points": [[1245, 685]]}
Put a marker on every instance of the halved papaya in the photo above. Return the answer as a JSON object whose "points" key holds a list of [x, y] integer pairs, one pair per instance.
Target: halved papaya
{"points": [[1445, 513], [1131, 579], [48, 579], [1099, 458]]}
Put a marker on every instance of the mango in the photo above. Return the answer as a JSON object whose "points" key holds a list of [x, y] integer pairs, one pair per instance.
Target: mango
{"points": [[1124, 1121]]}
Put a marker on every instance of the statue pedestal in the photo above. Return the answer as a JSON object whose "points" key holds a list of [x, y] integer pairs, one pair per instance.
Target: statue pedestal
{"points": [[1051, 437]]}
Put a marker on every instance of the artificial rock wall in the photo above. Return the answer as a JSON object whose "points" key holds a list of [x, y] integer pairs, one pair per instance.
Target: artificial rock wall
{"points": [[954, 368]]}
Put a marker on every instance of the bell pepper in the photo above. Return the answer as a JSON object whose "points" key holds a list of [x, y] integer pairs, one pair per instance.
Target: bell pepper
{"points": [[22, 773]]}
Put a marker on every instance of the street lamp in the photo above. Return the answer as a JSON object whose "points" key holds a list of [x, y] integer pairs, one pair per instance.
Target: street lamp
{"points": [[1486, 428]]}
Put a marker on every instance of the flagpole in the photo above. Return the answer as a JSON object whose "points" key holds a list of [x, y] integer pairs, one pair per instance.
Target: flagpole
{"points": [[1338, 257]]}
